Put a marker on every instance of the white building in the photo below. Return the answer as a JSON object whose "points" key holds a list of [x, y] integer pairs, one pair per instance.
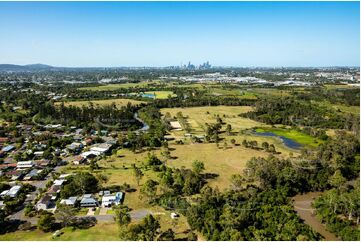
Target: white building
{"points": [[24, 164], [13, 191], [109, 200], [70, 201]]}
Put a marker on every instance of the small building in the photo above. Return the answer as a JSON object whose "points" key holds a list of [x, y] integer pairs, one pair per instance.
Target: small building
{"points": [[32, 174], [14, 191], [24, 164], [90, 154], [175, 125], [88, 201], [39, 153], [75, 146], [109, 200], [8, 148], [4, 140], [59, 182], [71, 201], [77, 160], [62, 176], [101, 148], [44, 203], [174, 215], [4, 193], [42, 163]]}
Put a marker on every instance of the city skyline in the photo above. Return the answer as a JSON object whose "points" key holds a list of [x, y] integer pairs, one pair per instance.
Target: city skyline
{"points": [[114, 34]]}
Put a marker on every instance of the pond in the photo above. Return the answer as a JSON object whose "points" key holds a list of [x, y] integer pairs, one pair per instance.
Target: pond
{"points": [[148, 95], [286, 141]]}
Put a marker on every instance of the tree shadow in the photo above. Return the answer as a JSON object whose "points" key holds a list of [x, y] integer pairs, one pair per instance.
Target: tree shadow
{"points": [[85, 222], [210, 175]]}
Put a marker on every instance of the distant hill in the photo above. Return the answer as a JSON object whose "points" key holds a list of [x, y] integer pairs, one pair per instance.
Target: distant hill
{"points": [[20, 68]]}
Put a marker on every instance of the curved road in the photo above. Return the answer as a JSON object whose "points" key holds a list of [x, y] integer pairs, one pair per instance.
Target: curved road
{"points": [[302, 205]]}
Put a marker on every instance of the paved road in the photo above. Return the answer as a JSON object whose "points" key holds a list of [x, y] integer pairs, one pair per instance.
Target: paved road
{"points": [[302, 205]]}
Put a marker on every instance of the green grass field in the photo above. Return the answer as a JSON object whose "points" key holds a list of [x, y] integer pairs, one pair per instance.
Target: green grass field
{"points": [[101, 231], [232, 92], [112, 87], [198, 116], [295, 135], [161, 94], [119, 102]]}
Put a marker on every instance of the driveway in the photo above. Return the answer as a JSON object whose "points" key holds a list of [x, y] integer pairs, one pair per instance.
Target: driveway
{"points": [[103, 211]]}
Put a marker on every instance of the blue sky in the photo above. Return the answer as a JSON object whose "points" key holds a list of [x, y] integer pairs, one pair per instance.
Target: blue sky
{"points": [[171, 33]]}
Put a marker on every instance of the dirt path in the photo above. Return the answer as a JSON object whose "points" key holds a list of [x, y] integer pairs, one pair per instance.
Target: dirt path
{"points": [[302, 205]]}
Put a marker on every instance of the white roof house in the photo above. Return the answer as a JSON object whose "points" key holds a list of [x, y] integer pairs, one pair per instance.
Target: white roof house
{"points": [[90, 153], [59, 182], [101, 148], [25, 164], [14, 191], [175, 125], [62, 176], [109, 200], [70, 201], [4, 193], [39, 153]]}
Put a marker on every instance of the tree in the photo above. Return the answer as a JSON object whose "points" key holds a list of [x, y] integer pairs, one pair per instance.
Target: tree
{"points": [[138, 174], [146, 230], [153, 160], [65, 214], [225, 145], [102, 178], [237, 181], [272, 148], [122, 215], [46, 222], [337, 179], [149, 189], [191, 236], [233, 141], [167, 235], [265, 145], [151, 226], [198, 166], [229, 129]]}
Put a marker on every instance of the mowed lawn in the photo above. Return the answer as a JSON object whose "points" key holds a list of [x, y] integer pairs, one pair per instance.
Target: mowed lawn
{"points": [[101, 231], [119, 102], [199, 116]]}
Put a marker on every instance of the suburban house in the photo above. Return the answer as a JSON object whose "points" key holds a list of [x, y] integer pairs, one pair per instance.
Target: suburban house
{"points": [[109, 200], [39, 153], [13, 192], [54, 190], [101, 148], [175, 125], [44, 203], [75, 146], [77, 160], [71, 201], [32, 174], [4, 140], [8, 148], [88, 201], [89, 154], [24, 164]]}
